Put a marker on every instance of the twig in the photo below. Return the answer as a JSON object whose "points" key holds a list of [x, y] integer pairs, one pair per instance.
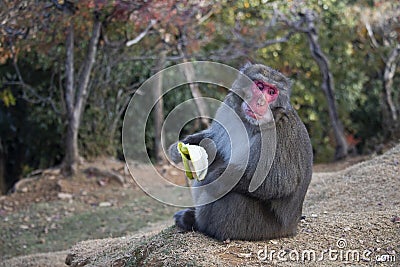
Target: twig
{"points": [[142, 34]]}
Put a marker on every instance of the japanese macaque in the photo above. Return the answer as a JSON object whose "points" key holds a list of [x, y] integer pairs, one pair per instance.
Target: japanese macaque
{"points": [[273, 206]]}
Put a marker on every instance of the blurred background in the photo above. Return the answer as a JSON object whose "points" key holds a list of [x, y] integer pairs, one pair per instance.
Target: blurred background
{"points": [[69, 68]]}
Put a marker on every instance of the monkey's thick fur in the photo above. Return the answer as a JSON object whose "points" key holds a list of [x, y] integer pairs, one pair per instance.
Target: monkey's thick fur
{"points": [[273, 210]]}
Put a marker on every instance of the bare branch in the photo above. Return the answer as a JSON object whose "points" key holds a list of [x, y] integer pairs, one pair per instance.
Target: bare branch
{"points": [[371, 34], [88, 64], [388, 76], [297, 20], [69, 71], [114, 44], [206, 16], [141, 58], [142, 34], [26, 87], [194, 88], [283, 39], [227, 53]]}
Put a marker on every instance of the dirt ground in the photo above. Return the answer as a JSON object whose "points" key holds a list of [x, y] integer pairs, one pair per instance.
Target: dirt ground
{"points": [[97, 182], [351, 217]]}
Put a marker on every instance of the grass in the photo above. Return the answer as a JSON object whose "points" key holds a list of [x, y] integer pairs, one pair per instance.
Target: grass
{"points": [[55, 226]]}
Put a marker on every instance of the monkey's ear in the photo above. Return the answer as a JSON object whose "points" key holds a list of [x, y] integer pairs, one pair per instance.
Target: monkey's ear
{"points": [[246, 65]]}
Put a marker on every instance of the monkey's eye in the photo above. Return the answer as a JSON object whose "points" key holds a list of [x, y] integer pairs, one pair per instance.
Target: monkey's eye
{"points": [[271, 91], [260, 85], [266, 87]]}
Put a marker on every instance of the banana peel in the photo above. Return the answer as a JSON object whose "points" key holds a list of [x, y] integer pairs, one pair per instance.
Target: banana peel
{"points": [[195, 160]]}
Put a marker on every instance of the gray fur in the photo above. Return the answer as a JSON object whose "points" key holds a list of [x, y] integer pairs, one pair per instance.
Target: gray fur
{"points": [[273, 209]]}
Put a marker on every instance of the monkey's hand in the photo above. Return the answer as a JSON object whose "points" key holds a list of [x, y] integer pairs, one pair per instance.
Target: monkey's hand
{"points": [[195, 160], [193, 139], [174, 154]]}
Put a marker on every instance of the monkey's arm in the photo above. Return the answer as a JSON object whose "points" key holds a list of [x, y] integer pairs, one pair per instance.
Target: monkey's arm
{"points": [[275, 186], [291, 168], [193, 139]]}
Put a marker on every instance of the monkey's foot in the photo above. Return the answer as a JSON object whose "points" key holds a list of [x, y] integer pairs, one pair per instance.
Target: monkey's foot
{"points": [[185, 219]]}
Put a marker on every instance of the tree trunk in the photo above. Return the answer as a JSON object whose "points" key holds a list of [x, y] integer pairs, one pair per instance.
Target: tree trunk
{"points": [[194, 88], [71, 147], [75, 99], [328, 88], [389, 110], [71, 143], [119, 110], [84, 76], [158, 110], [2, 165]]}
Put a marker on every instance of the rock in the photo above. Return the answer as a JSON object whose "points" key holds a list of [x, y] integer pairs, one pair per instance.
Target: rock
{"points": [[94, 171], [64, 196], [105, 204], [396, 219]]}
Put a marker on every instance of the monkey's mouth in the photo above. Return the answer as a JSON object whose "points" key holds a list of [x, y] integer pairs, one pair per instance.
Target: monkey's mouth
{"points": [[251, 114], [247, 110]]}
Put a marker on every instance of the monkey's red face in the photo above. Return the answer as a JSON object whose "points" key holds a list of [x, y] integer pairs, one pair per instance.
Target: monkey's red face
{"points": [[263, 95]]}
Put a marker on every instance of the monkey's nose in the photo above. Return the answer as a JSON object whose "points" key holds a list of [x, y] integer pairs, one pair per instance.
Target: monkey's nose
{"points": [[261, 101]]}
